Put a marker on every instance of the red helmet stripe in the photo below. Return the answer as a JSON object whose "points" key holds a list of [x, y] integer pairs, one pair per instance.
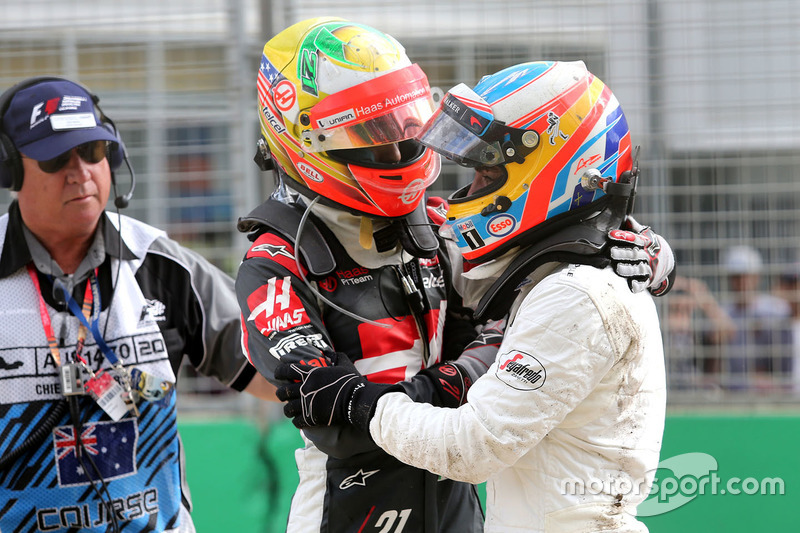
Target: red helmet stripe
{"points": [[540, 202]]}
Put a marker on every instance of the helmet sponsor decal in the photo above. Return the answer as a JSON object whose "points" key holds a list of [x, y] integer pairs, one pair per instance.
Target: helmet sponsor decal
{"points": [[511, 80], [284, 95], [336, 119], [273, 121], [406, 88], [320, 40], [268, 70], [521, 371], [307, 71], [501, 225], [466, 115], [470, 234], [309, 172], [412, 192], [554, 128]]}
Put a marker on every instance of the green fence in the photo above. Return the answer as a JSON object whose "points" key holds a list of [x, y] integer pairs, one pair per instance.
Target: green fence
{"points": [[718, 473]]}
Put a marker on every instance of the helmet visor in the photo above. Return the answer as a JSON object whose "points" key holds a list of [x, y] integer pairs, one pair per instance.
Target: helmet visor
{"points": [[387, 109], [464, 129], [456, 128]]}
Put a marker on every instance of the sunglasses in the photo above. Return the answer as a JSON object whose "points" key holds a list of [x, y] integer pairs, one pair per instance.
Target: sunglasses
{"points": [[91, 152]]}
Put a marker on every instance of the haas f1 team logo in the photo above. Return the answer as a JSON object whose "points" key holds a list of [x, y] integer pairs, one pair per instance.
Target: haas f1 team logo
{"points": [[275, 307]]}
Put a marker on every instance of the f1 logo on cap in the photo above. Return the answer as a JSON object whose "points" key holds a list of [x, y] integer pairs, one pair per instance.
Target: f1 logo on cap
{"points": [[52, 105]]}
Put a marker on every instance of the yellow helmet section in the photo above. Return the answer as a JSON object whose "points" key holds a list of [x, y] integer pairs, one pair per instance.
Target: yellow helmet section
{"points": [[320, 57]]}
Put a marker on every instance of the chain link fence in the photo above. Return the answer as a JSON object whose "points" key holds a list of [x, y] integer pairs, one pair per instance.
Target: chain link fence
{"points": [[708, 88]]}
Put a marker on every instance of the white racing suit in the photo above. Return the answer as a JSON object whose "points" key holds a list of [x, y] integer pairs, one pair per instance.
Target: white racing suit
{"points": [[566, 425]]}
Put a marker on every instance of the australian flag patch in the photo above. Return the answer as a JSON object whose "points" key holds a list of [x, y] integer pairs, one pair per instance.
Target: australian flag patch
{"points": [[110, 445]]}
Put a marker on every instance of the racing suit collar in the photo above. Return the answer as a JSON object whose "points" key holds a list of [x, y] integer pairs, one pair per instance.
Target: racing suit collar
{"points": [[16, 252], [346, 227]]}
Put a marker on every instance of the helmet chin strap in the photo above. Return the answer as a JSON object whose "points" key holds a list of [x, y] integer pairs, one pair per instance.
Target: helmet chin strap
{"points": [[418, 239], [365, 233], [414, 232]]}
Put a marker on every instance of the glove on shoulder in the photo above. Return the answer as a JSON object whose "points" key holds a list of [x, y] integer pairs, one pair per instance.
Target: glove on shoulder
{"points": [[642, 257]]}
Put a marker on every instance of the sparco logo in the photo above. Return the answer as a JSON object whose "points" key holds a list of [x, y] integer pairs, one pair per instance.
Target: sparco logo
{"points": [[521, 371]]}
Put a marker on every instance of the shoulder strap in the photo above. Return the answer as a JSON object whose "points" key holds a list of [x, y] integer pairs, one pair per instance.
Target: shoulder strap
{"points": [[285, 220], [559, 248]]}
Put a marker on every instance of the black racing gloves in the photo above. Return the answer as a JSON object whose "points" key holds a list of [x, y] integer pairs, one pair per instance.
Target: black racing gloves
{"points": [[328, 394], [450, 383], [330, 390]]}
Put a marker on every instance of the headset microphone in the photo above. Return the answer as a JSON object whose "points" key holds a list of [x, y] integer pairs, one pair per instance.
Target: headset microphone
{"points": [[121, 202]]}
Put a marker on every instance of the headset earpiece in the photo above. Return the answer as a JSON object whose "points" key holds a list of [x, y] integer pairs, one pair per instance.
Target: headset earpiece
{"points": [[11, 172], [116, 150], [10, 164]]}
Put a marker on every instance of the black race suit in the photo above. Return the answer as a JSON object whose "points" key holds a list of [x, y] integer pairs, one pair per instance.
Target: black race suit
{"points": [[347, 484]]}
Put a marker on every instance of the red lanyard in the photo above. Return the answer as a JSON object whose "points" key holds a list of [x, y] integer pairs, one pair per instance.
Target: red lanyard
{"points": [[47, 325]]}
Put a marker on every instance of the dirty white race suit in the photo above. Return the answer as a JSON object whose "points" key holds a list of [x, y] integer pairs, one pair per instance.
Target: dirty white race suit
{"points": [[167, 303], [566, 425], [347, 484]]}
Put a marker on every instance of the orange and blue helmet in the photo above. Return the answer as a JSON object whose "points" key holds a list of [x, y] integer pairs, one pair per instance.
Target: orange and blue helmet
{"points": [[543, 136], [331, 90]]}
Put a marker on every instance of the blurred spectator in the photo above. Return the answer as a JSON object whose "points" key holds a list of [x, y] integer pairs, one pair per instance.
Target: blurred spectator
{"points": [[695, 320], [758, 355], [788, 288]]}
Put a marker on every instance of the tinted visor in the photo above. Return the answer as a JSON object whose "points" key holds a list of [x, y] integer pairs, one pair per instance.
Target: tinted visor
{"points": [[464, 129], [388, 109]]}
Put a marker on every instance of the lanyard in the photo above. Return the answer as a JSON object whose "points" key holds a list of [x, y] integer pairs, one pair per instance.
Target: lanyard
{"points": [[114, 398], [47, 324], [95, 323]]}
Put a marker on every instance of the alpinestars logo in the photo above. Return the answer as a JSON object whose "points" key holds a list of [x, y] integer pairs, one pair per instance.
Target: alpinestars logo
{"points": [[359, 478], [272, 250], [152, 310]]}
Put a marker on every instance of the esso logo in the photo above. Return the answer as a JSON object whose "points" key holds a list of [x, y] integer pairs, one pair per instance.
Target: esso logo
{"points": [[309, 172], [501, 225], [284, 94]]}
